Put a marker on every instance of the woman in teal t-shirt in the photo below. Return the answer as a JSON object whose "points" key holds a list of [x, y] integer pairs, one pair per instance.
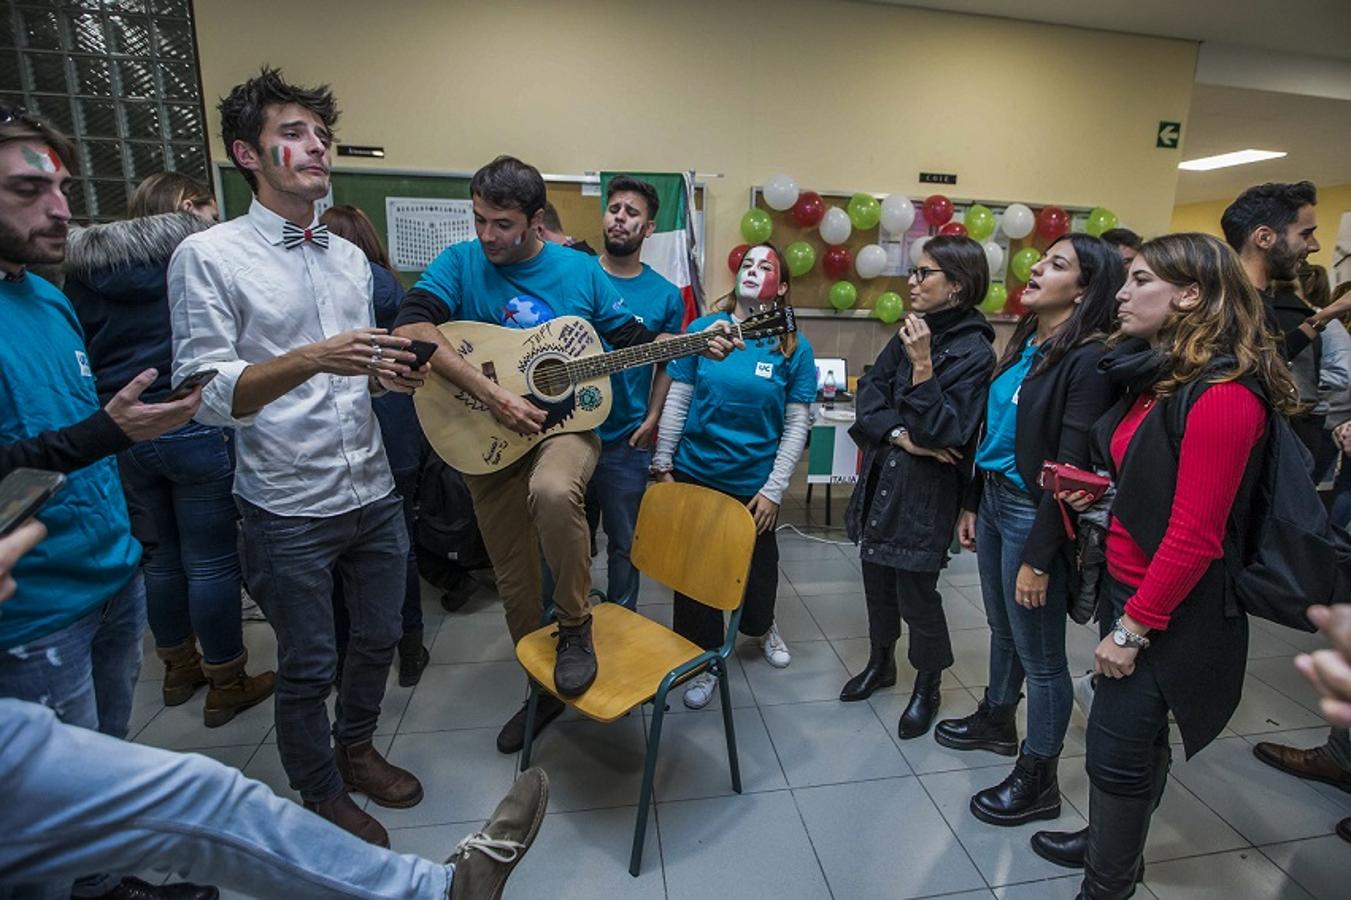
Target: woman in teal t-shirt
{"points": [[739, 426]]}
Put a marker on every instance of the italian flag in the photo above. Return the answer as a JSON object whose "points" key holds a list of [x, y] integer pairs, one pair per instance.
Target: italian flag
{"points": [[833, 457], [671, 250]]}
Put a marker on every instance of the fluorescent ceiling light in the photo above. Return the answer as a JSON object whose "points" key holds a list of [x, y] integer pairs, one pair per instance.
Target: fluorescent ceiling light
{"points": [[1224, 160]]}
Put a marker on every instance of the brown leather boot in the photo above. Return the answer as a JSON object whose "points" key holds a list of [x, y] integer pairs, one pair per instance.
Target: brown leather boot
{"points": [[364, 769], [233, 691], [183, 673], [344, 813], [1315, 764]]}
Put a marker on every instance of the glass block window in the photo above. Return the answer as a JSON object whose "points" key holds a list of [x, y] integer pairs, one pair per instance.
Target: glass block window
{"points": [[118, 76]]}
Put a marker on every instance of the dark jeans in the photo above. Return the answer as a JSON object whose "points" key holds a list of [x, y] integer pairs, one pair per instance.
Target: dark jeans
{"points": [[184, 479], [1341, 496], [616, 491], [704, 625], [893, 594], [1025, 644], [405, 483], [290, 564], [1128, 720]]}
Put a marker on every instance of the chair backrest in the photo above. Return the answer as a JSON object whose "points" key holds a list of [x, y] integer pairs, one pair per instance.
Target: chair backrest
{"points": [[697, 541]]}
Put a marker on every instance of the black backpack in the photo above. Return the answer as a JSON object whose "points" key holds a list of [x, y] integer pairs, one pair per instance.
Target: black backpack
{"points": [[1289, 557], [448, 541]]}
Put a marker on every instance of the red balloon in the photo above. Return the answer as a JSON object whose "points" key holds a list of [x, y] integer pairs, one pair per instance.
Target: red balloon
{"points": [[953, 229], [1014, 306], [1052, 222], [809, 209], [837, 261], [938, 210], [734, 258]]}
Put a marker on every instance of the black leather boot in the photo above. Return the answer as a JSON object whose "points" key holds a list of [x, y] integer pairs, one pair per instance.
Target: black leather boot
{"points": [[923, 706], [1031, 791], [991, 727], [1117, 828], [879, 673]]}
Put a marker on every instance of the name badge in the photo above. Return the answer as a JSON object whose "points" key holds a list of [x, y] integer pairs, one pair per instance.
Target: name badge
{"points": [[764, 369], [83, 362]]}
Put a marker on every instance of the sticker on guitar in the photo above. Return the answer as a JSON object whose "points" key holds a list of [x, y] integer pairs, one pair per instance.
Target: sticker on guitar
{"points": [[493, 455], [470, 401]]}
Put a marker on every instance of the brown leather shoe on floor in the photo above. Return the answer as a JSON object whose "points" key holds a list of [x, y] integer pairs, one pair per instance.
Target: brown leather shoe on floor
{"points": [[183, 673], [364, 769], [485, 859], [344, 813], [1315, 764], [233, 690]]}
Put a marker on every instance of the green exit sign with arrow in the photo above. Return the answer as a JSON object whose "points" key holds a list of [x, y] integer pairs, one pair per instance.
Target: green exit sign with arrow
{"points": [[1169, 134]]}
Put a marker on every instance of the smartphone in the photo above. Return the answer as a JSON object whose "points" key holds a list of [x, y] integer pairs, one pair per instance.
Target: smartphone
{"points": [[423, 350], [22, 494], [200, 377]]}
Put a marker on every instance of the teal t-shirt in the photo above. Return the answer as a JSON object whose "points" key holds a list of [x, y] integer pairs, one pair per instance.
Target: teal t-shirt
{"points": [[46, 384], [736, 414], [997, 452], [658, 305], [555, 282]]}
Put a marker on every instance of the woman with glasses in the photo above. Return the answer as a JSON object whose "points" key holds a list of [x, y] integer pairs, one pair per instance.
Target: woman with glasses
{"points": [[918, 413]]}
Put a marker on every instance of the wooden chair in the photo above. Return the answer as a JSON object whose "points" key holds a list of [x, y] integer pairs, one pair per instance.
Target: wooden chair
{"points": [[698, 542]]}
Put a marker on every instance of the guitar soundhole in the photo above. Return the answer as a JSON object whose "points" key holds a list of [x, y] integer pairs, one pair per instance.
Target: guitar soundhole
{"points": [[549, 376]]}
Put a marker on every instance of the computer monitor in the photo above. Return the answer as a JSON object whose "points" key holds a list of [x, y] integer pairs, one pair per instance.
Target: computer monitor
{"points": [[837, 367]]}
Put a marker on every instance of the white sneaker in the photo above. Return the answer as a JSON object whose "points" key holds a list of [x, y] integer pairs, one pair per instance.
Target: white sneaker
{"points": [[699, 691], [775, 650]]}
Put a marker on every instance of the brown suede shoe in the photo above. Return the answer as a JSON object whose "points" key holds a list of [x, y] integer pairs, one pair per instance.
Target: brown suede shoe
{"points": [[483, 860], [1314, 764], [364, 769], [183, 673], [233, 690], [344, 813]]}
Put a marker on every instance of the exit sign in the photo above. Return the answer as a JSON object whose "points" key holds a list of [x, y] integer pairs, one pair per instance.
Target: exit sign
{"points": [[1168, 135]]}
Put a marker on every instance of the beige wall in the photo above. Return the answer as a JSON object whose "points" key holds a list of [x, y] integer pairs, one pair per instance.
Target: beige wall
{"points": [[840, 95], [1333, 201]]}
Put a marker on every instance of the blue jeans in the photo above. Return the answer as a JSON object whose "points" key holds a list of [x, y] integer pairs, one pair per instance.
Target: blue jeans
{"points": [[77, 801], [617, 488], [290, 563], [192, 574], [1025, 644], [1341, 496]]}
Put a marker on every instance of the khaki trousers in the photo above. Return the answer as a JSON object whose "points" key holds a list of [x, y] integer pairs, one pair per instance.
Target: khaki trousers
{"points": [[539, 502]]}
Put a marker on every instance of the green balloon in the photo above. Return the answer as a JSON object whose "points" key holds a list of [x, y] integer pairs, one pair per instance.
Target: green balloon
{"points": [[843, 295], [1023, 261], [979, 222], [1100, 220], [756, 226], [864, 211], [888, 307], [995, 298], [800, 258]]}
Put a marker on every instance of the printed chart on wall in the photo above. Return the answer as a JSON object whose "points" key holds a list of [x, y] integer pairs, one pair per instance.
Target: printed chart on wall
{"points": [[421, 227]]}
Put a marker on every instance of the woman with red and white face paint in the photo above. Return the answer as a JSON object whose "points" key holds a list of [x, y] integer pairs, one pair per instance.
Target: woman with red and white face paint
{"points": [[739, 426]]}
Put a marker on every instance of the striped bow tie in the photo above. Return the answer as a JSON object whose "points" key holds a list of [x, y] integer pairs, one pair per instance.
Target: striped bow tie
{"points": [[293, 235]]}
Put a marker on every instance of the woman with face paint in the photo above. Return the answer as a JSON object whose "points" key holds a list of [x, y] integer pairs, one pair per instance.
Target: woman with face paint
{"points": [[1200, 374], [1046, 395], [739, 426], [918, 413]]}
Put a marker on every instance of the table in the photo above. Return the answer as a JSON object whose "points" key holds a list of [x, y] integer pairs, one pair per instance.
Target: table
{"points": [[832, 456]]}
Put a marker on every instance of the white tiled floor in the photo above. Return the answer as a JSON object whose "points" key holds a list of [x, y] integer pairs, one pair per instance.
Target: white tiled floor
{"points": [[834, 804]]}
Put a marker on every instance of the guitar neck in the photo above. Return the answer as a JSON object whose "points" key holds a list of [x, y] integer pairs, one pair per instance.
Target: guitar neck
{"points": [[602, 364]]}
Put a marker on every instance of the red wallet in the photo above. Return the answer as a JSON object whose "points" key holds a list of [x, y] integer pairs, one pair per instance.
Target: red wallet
{"points": [[1058, 477]]}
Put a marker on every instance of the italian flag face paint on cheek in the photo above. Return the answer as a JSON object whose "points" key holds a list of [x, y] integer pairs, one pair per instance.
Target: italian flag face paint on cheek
{"points": [[770, 288], [46, 160], [281, 156]]}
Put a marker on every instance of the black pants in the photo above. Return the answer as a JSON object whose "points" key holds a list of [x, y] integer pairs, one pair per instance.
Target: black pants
{"points": [[703, 625], [1129, 718], [894, 594]]}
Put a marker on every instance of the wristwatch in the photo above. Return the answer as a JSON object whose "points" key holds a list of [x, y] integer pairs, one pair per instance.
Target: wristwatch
{"points": [[1124, 637], [895, 435], [1317, 325], [1037, 572]]}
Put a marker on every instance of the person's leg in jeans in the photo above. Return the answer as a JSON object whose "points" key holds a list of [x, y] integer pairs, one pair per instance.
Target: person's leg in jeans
{"points": [[618, 484], [998, 567], [559, 471], [115, 657], [166, 583], [406, 482], [1341, 495]]}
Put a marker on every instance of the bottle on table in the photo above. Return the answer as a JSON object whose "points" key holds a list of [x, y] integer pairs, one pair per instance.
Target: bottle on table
{"points": [[828, 390]]}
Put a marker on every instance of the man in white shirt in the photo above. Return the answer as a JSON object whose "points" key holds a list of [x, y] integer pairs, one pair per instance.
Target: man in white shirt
{"points": [[282, 310]]}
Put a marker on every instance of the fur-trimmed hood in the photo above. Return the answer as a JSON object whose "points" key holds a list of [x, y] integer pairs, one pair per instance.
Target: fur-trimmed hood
{"points": [[126, 261]]}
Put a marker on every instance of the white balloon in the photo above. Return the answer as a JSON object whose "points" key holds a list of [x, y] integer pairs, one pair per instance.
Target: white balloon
{"points": [[898, 213], [870, 261], [835, 226], [994, 255], [780, 192], [1017, 221], [916, 248]]}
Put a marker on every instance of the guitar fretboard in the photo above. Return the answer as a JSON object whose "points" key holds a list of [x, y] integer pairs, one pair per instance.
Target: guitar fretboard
{"points": [[591, 367]]}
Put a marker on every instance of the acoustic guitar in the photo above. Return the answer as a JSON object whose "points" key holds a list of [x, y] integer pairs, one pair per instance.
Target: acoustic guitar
{"points": [[558, 366]]}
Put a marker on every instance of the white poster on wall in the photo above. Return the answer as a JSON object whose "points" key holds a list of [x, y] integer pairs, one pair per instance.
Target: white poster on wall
{"points": [[421, 227]]}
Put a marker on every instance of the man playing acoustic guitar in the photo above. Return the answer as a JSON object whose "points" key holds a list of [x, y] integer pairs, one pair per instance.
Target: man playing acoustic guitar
{"points": [[510, 277]]}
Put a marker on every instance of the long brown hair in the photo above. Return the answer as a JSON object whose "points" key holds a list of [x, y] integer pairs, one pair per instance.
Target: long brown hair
{"points": [[1227, 321], [354, 225], [166, 192], [727, 302]]}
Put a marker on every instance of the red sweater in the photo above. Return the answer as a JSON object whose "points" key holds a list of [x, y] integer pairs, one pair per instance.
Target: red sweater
{"points": [[1222, 428]]}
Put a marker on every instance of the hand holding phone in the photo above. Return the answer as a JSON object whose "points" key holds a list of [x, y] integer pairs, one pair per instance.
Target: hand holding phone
{"points": [[196, 379], [423, 350], [22, 493]]}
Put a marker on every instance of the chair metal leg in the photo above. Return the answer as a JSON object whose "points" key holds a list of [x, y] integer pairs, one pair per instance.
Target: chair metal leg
{"points": [[531, 708], [726, 693], [649, 770]]}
